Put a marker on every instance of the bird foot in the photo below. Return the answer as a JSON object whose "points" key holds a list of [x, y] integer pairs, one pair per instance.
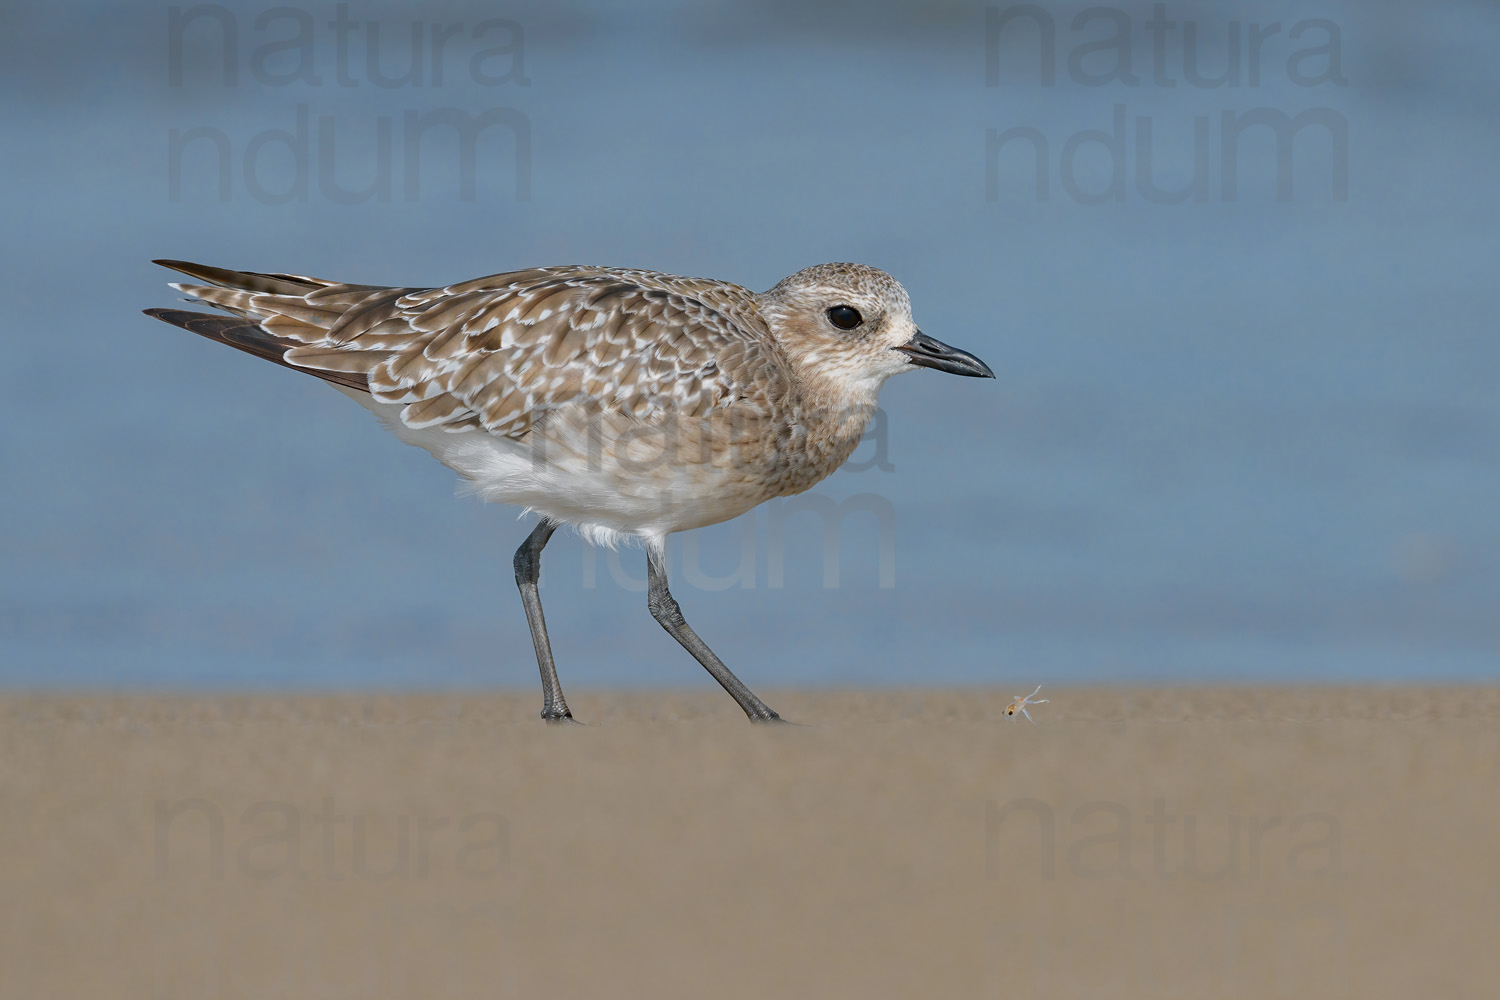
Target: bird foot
{"points": [[771, 720]]}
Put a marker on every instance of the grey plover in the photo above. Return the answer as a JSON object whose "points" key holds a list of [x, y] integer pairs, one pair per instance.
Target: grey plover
{"points": [[626, 403]]}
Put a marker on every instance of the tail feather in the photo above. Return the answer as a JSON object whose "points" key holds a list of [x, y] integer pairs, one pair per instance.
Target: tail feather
{"points": [[273, 313], [249, 281], [252, 339], [229, 299], [257, 281]]}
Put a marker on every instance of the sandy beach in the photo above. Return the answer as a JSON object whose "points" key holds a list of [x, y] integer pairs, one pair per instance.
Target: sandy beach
{"points": [[1249, 842]]}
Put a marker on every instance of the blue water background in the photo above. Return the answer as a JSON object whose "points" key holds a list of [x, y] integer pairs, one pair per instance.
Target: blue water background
{"points": [[1240, 439]]}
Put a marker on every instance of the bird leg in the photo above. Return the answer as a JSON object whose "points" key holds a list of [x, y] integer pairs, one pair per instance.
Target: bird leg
{"points": [[528, 569], [665, 610]]}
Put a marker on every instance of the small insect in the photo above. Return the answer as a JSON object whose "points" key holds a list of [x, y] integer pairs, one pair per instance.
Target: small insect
{"points": [[1019, 705]]}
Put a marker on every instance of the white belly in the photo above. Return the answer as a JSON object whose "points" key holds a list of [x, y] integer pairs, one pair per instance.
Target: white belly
{"points": [[579, 476]]}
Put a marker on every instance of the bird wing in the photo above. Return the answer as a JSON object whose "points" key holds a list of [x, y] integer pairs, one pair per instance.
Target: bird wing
{"points": [[498, 352]]}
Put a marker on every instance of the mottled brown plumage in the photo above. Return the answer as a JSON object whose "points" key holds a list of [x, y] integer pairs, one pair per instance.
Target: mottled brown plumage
{"points": [[496, 352]]}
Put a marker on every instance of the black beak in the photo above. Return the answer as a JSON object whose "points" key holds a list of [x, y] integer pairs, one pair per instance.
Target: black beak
{"points": [[929, 352]]}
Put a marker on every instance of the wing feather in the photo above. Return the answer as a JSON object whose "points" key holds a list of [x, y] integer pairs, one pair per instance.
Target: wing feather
{"points": [[498, 352]]}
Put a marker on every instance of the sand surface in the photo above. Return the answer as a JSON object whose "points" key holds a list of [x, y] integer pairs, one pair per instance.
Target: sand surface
{"points": [[1135, 843]]}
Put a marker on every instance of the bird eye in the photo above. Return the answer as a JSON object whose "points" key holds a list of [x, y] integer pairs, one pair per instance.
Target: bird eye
{"points": [[845, 317]]}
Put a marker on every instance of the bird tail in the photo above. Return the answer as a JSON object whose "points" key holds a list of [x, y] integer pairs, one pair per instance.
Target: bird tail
{"points": [[272, 313]]}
